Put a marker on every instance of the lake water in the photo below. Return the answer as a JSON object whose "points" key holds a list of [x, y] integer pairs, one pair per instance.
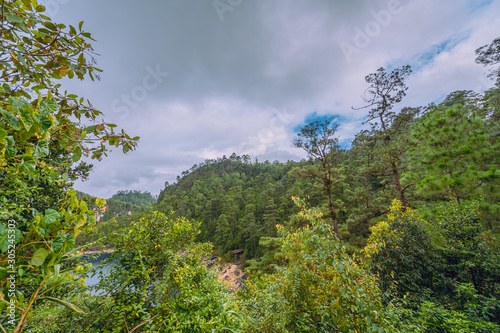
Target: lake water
{"points": [[100, 266]]}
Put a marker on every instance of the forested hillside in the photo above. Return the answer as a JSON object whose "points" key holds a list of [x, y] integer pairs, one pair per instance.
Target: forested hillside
{"points": [[236, 200], [422, 156], [118, 212]]}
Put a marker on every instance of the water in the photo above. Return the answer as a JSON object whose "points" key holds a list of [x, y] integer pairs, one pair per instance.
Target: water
{"points": [[101, 267]]}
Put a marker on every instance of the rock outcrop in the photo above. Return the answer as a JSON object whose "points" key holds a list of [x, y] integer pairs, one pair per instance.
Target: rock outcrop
{"points": [[230, 273]]}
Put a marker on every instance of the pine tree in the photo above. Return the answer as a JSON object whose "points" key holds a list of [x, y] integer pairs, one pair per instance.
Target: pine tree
{"points": [[319, 141], [383, 93], [455, 157]]}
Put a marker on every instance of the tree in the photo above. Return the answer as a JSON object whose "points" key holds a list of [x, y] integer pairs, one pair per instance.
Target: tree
{"points": [[455, 157], [400, 251], [223, 234], [489, 55], [470, 254], [317, 139], [159, 282], [320, 288], [383, 93], [370, 176], [40, 144]]}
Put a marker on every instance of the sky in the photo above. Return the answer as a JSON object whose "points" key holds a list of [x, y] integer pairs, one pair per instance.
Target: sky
{"points": [[199, 79]]}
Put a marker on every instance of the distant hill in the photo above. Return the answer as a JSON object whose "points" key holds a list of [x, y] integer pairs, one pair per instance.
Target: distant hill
{"points": [[237, 202], [126, 202], [120, 210]]}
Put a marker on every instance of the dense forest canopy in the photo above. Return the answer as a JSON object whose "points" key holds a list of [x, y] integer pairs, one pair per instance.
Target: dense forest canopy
{"points": [[396, 233]]}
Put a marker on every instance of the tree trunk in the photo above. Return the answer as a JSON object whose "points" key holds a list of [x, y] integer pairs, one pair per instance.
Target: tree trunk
{"points": [[333, 215], [397, 177]]}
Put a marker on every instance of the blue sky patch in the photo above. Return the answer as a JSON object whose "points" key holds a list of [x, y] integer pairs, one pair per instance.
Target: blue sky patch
{"points": [[422, 59], [336, 119]]}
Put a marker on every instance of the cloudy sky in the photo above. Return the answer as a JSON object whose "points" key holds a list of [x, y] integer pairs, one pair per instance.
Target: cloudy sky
{"points": [[197, 79]]}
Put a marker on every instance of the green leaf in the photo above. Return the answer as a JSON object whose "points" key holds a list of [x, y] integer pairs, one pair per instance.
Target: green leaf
{"points": [[51, 216], [16, 124], [77, 154], [54, 175], [42, 148], [57, 267], [46, 124], [65, 303], [13, 18], [21, 59], [58, 243], [29, 163], [65, 177], [3, 134], [39, 257]]}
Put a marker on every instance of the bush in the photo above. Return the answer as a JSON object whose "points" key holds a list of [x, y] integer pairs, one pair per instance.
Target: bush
{"points": [[400, 251], [320, 289]]}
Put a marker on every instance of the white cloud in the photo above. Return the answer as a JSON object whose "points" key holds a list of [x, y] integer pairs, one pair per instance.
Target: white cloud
{"points": [[231, 80]]}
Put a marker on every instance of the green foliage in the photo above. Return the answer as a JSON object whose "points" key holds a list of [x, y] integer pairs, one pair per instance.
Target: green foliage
{"points": [[455, 156], [400, 251], [317, 139], [437, 319], [471, 255], [236, 202], [41, 144], [120, 210], [320, 289], [158, 281], [271, 257]]}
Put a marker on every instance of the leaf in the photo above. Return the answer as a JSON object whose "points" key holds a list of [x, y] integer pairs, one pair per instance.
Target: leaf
{"points": [[63, 71], [3, 134], [21, 59], [58, 243], [51, 216], [29, 163], [57, 267], [13, 18], [16, 124], [46, 124], [39, 257], [42, 148], [90, 128], [65, 303], [77, 154]]}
